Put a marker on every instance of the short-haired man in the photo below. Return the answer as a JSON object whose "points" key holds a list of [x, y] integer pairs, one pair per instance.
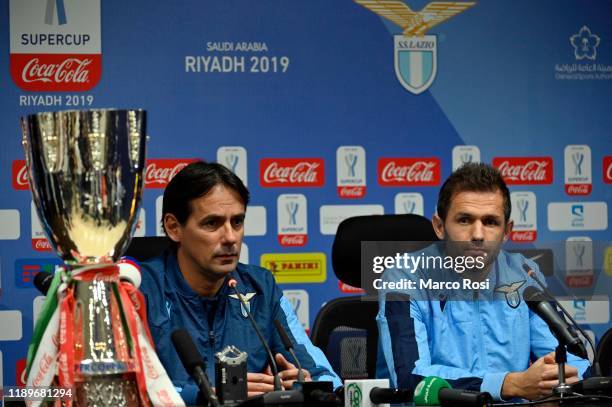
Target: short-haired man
{"points": [[475, 343], [203, 215]]}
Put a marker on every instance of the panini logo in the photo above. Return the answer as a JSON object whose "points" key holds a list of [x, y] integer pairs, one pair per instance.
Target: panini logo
{"points": [[416, 58], [296, 267]]}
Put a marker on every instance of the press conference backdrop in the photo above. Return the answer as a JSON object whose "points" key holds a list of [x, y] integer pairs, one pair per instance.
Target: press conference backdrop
{"points": [[326, 109]]}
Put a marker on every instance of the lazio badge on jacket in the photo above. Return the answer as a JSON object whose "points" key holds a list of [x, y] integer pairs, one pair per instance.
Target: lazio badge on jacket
{"points": [[247, 298]]}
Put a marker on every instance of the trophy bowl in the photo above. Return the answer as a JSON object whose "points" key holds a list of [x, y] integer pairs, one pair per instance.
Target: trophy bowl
{"points": [[86, 176]]}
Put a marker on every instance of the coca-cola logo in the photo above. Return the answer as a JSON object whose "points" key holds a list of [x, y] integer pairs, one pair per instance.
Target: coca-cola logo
{"points": [[351, 192], [56, 72], [408, 171], [293, 240], [607, 169], [69, 70], [523, 236], [20, 175], [148, 363], [578, 189], [41, 245], [159, 172], [525, 170], [349, 289], [292, 172]]}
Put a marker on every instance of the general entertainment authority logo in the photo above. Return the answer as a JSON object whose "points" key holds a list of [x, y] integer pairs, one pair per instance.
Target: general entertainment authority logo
{"points": [[415, 52]]}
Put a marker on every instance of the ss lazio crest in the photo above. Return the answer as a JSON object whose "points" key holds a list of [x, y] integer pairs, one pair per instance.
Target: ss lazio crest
{"points": [[415, 53], [511, 292], [247, 298]]}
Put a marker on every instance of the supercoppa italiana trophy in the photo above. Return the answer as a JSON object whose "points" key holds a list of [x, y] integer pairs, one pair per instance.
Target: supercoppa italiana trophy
{"points": [[86, 176]]}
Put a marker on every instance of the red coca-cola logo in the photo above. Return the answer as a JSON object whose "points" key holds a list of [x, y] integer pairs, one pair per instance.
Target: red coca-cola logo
{"points": [[578, 189], [525, 170], [20, 376], [349, 289], [607, 169], [579, 281], [56, 72], [523, 235], [160, 171], [41, 245], [292, 172], [409, 171], [352, 192], [20, 175], [292, 240]]}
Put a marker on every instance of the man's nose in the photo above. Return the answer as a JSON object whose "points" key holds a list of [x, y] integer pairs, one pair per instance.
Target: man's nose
{"points": [[477, 231], [229, 234]]}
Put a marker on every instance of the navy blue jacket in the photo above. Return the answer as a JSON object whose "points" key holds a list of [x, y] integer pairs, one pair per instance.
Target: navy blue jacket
{"points": [[215, 323]]}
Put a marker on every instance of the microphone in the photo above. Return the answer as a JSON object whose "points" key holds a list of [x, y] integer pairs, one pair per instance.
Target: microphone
{"points": [[232, 283], [42, 281], [289, 347], [538, 303], [600, 386], [194, 364], [433, 391], [531, 273], [372, 392]]}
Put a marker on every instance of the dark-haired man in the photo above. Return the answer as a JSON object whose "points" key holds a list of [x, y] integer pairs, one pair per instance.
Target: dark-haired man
{"points": [[478, 339], [204, 208]]}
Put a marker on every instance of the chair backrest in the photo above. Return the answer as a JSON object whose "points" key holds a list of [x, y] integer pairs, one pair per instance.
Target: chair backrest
{"points": [[345, 328], [604, 353], [143, 248]]}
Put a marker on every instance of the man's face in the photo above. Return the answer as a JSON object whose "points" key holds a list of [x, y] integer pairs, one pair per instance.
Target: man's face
{"points": [[210, 240], [475, 224]]}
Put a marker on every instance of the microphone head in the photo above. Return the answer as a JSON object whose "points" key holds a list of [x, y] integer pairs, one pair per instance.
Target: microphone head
{"points": [[42, 281], [426, 392], [532, 294], [232, 283], [187, 351]]}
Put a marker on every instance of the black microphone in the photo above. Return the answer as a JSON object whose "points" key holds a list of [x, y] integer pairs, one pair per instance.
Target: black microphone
{"points": [[194, 364], [380, 395], [456, 397], [531, 273], [601, 386], [538, 303], [232, 283], [42, 281], [289, 346]]}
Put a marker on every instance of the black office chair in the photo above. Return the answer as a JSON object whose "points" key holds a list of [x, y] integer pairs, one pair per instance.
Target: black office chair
{"points": [[143, 248], [604, 353], [345, 328]]}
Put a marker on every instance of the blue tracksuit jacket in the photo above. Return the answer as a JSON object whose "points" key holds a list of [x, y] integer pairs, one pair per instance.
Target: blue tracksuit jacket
{"points": [[474, 344], [215, 323]]}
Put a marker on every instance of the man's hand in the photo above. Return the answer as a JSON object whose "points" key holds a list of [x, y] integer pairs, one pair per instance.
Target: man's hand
{"points": [[538, 380], [288, 372], [259, 383]]}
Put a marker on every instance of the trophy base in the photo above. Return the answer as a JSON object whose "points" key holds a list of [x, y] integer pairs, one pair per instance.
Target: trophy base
{"points": [[107, 391]]}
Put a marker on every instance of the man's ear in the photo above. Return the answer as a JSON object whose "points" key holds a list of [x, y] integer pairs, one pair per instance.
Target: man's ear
{"points": [[173, 228], [438, 225], [508, 230]]}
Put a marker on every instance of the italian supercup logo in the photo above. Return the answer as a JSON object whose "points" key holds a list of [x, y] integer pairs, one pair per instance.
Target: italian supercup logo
{"points": [[55, 45]]}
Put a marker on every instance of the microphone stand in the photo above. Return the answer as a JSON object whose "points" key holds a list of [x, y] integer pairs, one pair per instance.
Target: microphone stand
{"points": [[562, 389]]}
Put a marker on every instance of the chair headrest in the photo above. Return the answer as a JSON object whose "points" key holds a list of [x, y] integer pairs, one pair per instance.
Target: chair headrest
{"points": [[346, 250]]}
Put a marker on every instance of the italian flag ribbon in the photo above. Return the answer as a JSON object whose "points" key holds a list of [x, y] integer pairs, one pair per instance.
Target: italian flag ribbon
{"points": [[51, 353]]}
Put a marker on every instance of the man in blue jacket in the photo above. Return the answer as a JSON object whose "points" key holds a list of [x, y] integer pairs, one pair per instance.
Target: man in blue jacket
{"points": [[203, 214], [479, 339]]}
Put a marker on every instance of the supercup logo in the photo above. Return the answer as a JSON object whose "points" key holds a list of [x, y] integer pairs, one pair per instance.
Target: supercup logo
{"points": [[577, 166], [40, 243], [607, 169], [20, 175], [292, 220], [234, 158], [55, 45], [525, 170], [350, 172], [292, 172], [524, 214], [409, 171], [579, 262], [160, 171]]}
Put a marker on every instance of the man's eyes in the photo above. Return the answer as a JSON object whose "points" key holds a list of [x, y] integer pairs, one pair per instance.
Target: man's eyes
{"points": [[238, 222]]}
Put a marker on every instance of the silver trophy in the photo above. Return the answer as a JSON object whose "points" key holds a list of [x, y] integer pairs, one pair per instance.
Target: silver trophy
{"points": [[86, 177]]}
